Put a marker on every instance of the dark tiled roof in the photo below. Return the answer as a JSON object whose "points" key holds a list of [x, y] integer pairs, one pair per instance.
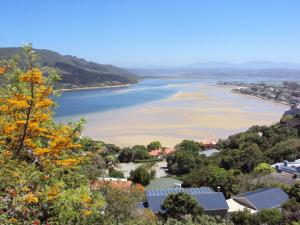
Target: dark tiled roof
{"points": [[265, 198], [205, 196]]}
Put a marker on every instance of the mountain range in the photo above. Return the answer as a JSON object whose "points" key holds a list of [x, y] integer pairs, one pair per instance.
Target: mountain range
{"points": [[246, 65], [76, 72]]}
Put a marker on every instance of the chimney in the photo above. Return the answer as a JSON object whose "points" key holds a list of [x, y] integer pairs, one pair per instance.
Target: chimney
{"points": [[285, 163]]}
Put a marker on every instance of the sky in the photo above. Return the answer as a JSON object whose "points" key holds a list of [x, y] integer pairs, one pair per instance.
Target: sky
{"points": [[137, 33]]}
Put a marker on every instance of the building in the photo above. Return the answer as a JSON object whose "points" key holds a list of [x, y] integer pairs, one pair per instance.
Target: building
{"points": [[288, 167], [208, 144], [264, 198], [213, 203]]}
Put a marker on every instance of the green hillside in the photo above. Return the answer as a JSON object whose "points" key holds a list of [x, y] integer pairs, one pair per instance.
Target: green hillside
{"points": [[76, 72]]}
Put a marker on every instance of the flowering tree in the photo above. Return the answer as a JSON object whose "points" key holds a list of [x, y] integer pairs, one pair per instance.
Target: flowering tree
{"points": [[38, 156]]}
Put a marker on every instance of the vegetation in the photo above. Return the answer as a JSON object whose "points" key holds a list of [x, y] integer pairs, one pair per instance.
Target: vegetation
{"points": [[74, 72], [179, 205], [141, 175], [46, 168], [154, 145], [41, 179]]}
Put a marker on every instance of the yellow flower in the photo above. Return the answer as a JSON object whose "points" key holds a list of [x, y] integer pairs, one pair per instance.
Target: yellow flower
{"points": [[25, 189], [67, 162], [41, 151], [13, 220], [86, 199], [31, 198], [87, 212], [53, 192]]}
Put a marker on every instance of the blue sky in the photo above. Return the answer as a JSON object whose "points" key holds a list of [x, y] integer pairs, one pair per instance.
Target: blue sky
{"points": [[156, 32]]}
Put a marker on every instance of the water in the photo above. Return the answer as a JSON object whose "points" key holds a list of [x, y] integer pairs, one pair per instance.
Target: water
{"points": [[83, 102]]}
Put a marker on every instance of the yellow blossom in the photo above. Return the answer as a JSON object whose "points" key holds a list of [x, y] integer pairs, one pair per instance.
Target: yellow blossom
{"points": [[31, 198], [87, 212]]}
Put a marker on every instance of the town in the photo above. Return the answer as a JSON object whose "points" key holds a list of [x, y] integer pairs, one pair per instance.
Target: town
{"points": [[288, 92]]}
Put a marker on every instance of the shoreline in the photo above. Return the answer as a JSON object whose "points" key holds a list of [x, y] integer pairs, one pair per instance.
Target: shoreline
{"points": [[95, 87], [263, 98], [204, 113], [252, 95]]}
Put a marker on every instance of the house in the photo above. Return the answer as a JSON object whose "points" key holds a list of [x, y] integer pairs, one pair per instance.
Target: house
{"points": [[122, 184], [213, 203], [208, 144], [155, 153], [288, 167], [264, 198], [168, 151], [163, 183], [159, 152]]}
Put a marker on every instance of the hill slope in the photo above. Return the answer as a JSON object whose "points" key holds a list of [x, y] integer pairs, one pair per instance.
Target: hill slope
{"points": [[76, 72]]}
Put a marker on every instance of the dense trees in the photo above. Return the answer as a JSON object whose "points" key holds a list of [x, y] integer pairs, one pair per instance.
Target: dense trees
{"points": [[189, 145], [181, 162], [154, 145], [140, 175], [137, 152], [179, 205]]}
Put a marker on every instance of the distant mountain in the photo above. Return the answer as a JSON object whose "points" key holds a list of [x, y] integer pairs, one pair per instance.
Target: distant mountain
{"points": [[76, 72], [246, 65]]}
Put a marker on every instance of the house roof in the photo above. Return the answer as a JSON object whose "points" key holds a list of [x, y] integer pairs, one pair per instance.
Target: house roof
{"points": [[264, 198], [155, 153], [168, 151], [205, 196], [162, 183], [235, 206]]}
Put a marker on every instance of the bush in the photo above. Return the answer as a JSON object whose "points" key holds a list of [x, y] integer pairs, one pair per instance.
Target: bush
{"points": [[154, 145], [116, 173], [147, 160], [189, 145], [179, 205], [140, 175]]}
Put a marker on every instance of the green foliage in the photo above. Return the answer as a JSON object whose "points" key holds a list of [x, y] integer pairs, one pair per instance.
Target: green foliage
{"points": [[264, 168], [270, 216], [140, 175], [154, 145], [243, 218], [285, 150], [179, 205], [181, 162], [138, 152], [199, 220], [295, 191], [75, 72], [126, 155], [116, 173], [291, 212], [189, 145], [74, 206]]}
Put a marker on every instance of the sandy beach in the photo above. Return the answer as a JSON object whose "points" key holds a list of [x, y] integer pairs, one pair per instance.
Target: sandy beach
{"points": [[210, 111]]}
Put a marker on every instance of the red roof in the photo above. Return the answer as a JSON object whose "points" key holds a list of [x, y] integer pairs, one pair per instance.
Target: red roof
{"points": [[168, 151], [155, 153]]}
